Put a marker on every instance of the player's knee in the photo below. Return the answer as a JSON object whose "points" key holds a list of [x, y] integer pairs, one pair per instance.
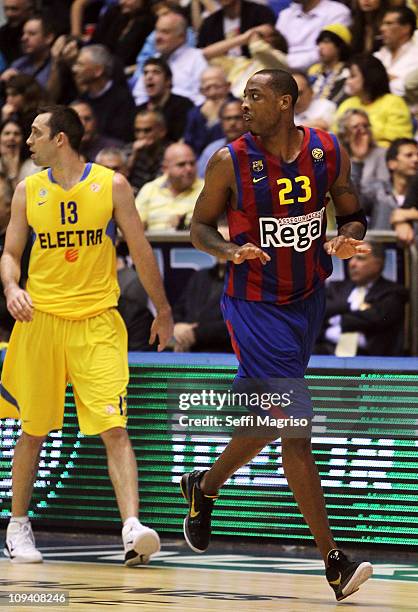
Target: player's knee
{"points": [[32, 441], [115, 435]]}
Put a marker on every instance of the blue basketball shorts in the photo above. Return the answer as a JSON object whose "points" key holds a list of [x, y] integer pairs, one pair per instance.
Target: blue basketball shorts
{"points": [[274, 343]]}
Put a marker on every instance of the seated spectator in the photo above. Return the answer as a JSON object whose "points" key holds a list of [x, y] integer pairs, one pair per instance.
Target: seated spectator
{"points": [[399, 53], [112, 103], [328, 76], [368, 87], [134, 309], [158, 8], [147, 151], [232, 127], [186, 63], [381, 198], [234, 17], [16, 13], [198, 321], [301, 23], [315, 113], [361, 309], [157, 81], [367, 17], [24, 96], [12, 158], [113, 158], [123, 28], [167, 203], [92, 141], [403, 218], [203, 123], [267, 48], [368, 162], [37, 38]]}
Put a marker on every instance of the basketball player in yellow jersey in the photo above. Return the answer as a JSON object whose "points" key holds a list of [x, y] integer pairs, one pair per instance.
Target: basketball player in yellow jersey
{"points": [[67, 326]]}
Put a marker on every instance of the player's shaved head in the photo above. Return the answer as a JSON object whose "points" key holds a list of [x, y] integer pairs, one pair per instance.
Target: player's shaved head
{"points": [[281, 82]]}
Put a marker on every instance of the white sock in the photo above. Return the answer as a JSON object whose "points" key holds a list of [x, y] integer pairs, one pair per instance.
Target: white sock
{"points": [[19, 519], [132, 521]]}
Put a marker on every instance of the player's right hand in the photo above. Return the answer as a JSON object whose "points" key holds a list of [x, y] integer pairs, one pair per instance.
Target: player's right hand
{"points": [[19, 304], [250, 251]]}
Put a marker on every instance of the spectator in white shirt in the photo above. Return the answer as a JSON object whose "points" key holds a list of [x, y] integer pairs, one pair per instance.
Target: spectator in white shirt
{"points": [[315, 113], [399, 53], [301, 23], [186, 63]]}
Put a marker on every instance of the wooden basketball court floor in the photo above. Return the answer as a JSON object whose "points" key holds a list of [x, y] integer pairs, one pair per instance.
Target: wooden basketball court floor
{"points": [[94, 578]]}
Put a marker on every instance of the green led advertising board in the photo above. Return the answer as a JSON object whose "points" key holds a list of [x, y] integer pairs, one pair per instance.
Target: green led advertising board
{"points": [[365, 442]]}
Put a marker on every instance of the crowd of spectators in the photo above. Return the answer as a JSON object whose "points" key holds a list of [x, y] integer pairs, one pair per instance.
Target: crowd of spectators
{"points": [[157, 85]]}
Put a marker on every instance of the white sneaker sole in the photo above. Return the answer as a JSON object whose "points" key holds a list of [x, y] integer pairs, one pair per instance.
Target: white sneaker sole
{"points": [[362, 573], [145, 545], [36, 558]]}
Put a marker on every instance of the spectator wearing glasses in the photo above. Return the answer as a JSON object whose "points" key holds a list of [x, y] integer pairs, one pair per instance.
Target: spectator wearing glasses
{"points": [[399, 53], [203, 122], [368, 163]]}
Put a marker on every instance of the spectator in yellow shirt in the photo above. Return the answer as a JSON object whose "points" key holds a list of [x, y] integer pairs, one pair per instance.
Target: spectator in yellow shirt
{"points": [[368, 85], [167, 203]]}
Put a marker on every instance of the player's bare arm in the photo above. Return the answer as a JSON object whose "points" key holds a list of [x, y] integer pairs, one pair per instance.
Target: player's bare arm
{"points": [[129, 222], [19, 303], [350, 218], [211, 204]]}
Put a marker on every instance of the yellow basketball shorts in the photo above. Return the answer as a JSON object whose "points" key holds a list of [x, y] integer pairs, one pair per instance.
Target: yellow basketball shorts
{"points": [[48, 352]]}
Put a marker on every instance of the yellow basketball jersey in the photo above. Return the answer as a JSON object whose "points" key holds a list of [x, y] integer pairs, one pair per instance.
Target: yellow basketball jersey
{"points": [[72, 266]]}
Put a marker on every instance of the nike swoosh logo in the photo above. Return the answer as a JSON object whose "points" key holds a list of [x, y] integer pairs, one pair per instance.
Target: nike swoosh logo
{"points": [[336, 582], [256, 180], [40, 203], [193, 513]]}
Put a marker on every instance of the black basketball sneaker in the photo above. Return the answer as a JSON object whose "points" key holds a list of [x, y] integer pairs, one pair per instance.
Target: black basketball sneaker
{"points": [[196, 525], [345, 576]]}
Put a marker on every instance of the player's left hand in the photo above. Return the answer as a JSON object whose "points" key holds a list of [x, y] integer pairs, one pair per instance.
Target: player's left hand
{"points": [[344, 247], [163, 327]]}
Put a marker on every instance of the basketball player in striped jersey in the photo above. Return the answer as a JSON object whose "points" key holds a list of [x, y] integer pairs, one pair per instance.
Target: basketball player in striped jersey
{"points": [[272, 183], [67, 325]]}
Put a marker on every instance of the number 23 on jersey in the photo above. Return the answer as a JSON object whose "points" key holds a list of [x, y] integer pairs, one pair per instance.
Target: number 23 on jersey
{"points": [[287, 187]]}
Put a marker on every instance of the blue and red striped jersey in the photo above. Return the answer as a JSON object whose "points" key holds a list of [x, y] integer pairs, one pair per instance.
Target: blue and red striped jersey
{"points": [[281, 207]]}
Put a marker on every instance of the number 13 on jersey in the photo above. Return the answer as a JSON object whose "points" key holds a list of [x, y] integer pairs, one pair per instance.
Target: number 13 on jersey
{"points": [[68, 212], [287, 187]]}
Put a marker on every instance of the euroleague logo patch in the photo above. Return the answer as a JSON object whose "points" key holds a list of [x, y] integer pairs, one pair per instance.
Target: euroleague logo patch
{"points": [[71, 255], [317, 154]]}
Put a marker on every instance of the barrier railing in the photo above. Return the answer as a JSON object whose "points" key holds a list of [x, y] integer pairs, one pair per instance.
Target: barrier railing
{"points": [[178, 259]]}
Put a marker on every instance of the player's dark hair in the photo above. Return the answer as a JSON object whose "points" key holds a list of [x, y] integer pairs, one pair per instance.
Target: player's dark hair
{"points": [[406, 16], [64, 119], [393, 149], [375, 77], [161, 63], [282, 83]]}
